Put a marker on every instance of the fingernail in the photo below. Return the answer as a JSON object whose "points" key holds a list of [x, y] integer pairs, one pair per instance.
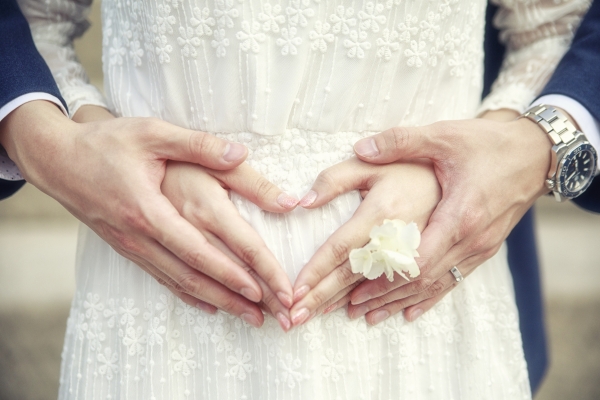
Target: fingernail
{"points": [[300, 293], [308, 199], [283, 321], [285, 299], [250, 294], [366, 147], [299, 316], [234, 151], [251, 319], [330, 309], [359, 312], [287, 201], [379, 316], [361, 298], [415, 314]]}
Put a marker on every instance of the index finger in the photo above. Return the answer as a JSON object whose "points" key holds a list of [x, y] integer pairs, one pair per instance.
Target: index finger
{"points": [[186, 242], [351, 235]]}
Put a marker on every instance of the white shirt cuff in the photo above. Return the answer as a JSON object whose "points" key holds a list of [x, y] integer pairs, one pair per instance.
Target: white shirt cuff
{"points": [[8, 169], [587, 123]]}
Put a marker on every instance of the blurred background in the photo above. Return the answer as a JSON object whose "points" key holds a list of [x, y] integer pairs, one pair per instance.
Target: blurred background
{"points": [[37, 257]]}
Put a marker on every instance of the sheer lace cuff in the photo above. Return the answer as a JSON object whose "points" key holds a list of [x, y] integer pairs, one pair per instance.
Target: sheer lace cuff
{"points": [[54, 26], [536, 34]]}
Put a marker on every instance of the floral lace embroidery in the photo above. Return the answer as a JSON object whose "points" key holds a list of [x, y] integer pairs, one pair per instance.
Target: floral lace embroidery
{"points": [[291, 27], [157, 325]]}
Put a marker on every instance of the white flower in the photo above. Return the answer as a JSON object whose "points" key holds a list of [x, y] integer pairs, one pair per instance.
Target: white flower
{"points": [[393, 247]]}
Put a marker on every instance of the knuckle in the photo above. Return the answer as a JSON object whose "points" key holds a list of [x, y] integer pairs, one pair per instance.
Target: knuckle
{"points": [[188, 283], [345, 276], [229, 303], [319, 298], [421, 285], [380, 301], [146, 125], [326, 178], [195, 259], [262, 187], [425, 263], [339, 251], [269, 299], [201, 143], [165, 281], [134, 218], [435, 289], [399, 138], [126, 243], [250, 254]]}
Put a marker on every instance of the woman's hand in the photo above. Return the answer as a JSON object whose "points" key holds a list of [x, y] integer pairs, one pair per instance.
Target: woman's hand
{"points": [[201, 196], [407, 191], [190, 257]]}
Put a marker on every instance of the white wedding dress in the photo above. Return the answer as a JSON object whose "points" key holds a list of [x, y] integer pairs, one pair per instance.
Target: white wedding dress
{"points": [[298, 82]]}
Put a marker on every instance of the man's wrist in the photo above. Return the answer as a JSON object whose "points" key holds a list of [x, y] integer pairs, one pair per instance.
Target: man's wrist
{"points": [[34, 127], [578, 114]]}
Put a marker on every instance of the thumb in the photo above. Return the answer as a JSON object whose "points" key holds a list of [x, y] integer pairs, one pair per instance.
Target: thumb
{"points": [[336, 180], [179, 144], [397, 143]]}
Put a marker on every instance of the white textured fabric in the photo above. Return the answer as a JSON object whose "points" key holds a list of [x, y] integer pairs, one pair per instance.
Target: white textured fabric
{"points": [[298, 82]]}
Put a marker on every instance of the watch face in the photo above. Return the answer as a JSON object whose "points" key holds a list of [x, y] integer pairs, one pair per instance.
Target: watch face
{"points": [[577, 170]]}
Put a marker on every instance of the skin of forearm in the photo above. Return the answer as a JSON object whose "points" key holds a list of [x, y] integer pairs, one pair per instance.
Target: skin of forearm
{"points": [[33, 136]]}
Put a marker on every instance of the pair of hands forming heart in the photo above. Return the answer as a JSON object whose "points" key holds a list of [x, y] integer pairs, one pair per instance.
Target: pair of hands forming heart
{"points": [[398, 190], [204, 261]]}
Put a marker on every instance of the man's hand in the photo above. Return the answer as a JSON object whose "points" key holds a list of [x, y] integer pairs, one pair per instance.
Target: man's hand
{"points": [[408, 191], [490, 172], [109, 173]]}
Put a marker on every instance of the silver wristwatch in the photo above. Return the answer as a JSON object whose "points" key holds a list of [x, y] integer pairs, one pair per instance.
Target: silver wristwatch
{"points": [[574, 159]]}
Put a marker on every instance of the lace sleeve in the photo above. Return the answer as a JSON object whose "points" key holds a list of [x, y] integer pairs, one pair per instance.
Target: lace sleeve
{"points": [[536, 34], [54, 26]]}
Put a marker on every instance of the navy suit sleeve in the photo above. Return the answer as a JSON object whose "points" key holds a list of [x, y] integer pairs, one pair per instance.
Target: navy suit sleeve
{"points": [[578, 77], [22, 68]]}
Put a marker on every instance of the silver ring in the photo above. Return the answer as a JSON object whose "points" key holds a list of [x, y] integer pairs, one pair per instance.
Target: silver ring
{"points": [[457, 275]]}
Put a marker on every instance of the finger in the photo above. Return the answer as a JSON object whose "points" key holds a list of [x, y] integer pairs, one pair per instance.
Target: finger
{"points": [[380, 315], [336, 180], [402, 297], [270, 301], [185, 241], [166, 281], [245, 242], [166, 268], [184, 279], [340, 279], [179, 144], [400, 143], [353, 234], [411, 313], [336, 304], [437, 291], [245, 181], [435, 244]]}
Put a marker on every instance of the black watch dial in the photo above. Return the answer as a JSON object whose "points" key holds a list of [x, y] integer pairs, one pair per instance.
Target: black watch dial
{"points": [[577, 170]]}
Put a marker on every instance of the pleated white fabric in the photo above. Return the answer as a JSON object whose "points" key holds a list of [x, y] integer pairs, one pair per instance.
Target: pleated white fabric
{"points": [[298, 82]]}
